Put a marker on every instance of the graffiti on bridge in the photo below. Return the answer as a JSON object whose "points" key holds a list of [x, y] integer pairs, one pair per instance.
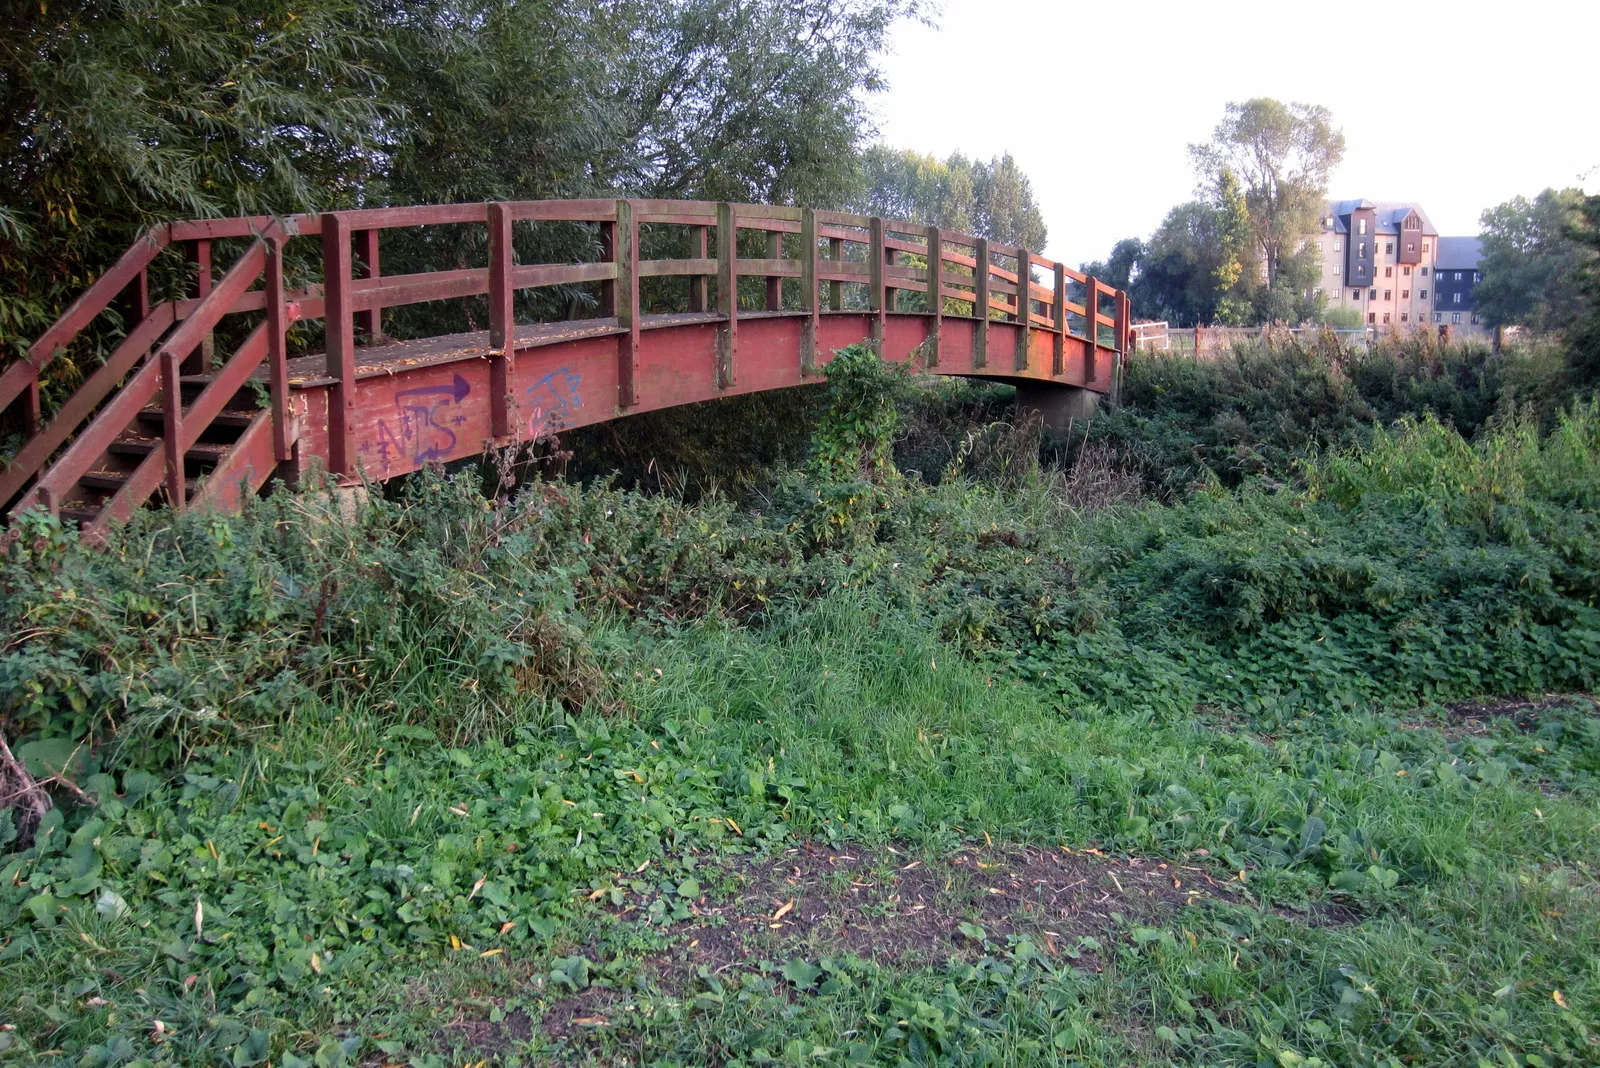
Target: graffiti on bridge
{"points": [[423, 429]]}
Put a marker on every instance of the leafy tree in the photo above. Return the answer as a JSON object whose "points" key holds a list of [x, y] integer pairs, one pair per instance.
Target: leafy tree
{"points": [[993, 200], [1177, 277], [1282, 154], [1583, 358], [1119, 268], [117, 113], [1534, 261]]}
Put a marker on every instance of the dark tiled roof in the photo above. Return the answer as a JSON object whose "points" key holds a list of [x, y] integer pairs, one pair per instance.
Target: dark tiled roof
{"points": [[1459, 253], [1388, 215]]}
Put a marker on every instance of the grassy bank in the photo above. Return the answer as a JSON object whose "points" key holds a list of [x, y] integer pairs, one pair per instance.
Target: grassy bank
{"points": [[878, 772]]}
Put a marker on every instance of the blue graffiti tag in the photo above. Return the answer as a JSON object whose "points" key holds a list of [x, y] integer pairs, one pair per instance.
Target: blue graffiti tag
{"points": [[426, 417], [550, 399]]}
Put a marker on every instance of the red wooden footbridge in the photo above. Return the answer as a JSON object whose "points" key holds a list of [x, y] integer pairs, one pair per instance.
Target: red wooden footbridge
{"points": [[165, 418]]}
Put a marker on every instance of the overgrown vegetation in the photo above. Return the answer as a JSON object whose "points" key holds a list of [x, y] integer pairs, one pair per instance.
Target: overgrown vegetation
{"points": [[451, 778]]}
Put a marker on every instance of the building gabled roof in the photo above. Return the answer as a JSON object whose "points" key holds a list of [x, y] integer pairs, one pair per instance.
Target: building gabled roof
{"points": [[1387, 214], [1459, 254]]}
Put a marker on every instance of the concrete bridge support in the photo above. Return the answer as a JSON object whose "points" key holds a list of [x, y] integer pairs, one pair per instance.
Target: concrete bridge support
{"points": [[1056, 405]]}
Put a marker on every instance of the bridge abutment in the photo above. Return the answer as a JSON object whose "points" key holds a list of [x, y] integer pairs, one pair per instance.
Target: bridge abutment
{"points": [[1056, 405]]}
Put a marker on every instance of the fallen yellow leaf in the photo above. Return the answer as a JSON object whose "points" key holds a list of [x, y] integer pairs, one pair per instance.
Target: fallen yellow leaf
{"points": [[1556, 996], [784, 909], [491, 952]]}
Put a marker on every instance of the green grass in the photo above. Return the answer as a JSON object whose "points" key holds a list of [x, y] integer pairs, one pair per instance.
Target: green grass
{"points": [[378, 791]]}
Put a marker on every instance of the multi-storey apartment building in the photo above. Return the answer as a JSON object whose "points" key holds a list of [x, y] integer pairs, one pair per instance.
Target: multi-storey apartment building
{"points": [[1379, 259], [1456, 275]]}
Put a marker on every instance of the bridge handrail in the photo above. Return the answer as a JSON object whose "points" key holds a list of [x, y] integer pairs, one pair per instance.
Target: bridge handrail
{"points": [[888, 256]]}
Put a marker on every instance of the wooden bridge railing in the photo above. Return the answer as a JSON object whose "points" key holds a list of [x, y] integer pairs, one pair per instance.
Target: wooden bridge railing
{"points": [[946, 276]]}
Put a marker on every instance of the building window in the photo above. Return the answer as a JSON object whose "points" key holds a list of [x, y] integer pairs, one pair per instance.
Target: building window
{"points": [[1388, 272], [1388, 248], [1386, 318], [1458, 276], [1455, 298], [1405, 294], [1337, 245], [1438, 317], [1361, 227], [1355, 295], [1372, 317], [1403, 317], [1424, 272], [1455, 317], [1422, 294], [1424, 247], [1388, 294], [1406, 271], [1361, 251], [1476, 277], [1411, 246], [1474, 317], [1373, 295]]}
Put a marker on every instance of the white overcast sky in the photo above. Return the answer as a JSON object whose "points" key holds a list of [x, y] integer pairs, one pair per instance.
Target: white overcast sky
{"points": [[1456, 104]]}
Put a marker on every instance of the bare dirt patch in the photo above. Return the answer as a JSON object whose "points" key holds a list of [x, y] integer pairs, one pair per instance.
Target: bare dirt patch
{"points": [[1478, 717]]}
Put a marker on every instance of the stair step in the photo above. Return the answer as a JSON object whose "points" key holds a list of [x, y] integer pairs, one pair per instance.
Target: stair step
{"points": [[229, 417], [81, 515], [115, 480], [200, 451]]}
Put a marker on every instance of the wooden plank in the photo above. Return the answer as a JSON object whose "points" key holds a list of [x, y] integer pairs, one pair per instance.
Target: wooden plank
{"points": [[757, 216], [876, 294], [198, 253], [340, 342], [1091, 303], [277, 327], [845, 271], [698, 283], [1024, 306], [811, 302], [727, 295], [534, 275], [703, 212], [834, 277], [172, 428], [502, 318], [369, 321], [696, 269], [244, 226], [1058, 315], [774, 278], [935, 294], [841, 218], [779, 267], [980, 305], [564, 210], [628, 314], [427, 215], [608, 253], [398, 290]]}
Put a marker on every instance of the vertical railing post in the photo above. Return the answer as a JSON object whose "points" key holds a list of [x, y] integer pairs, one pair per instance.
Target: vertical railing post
{"points": [[775, 281], [1058, 347], [875, 286], [608, 254], [172, 426], [340, 346], [32, 409], [502, 318], [278, 350], [628, 312], [697, 283], [370, 320], [1091, 310], [935, 294], [198, 253], [727, 294], [808, 292], [836, 287], [1024, 306], [1124, 320], [980, 305]]}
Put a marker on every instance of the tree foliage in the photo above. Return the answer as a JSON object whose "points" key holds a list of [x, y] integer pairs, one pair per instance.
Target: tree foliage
{"points": [[993, 200], [1534, 261], [1282, 154], [122, 112]]}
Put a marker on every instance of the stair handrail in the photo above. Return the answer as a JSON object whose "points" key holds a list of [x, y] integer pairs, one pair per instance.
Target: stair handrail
{"points": [[159, 373], [23, 376]]}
